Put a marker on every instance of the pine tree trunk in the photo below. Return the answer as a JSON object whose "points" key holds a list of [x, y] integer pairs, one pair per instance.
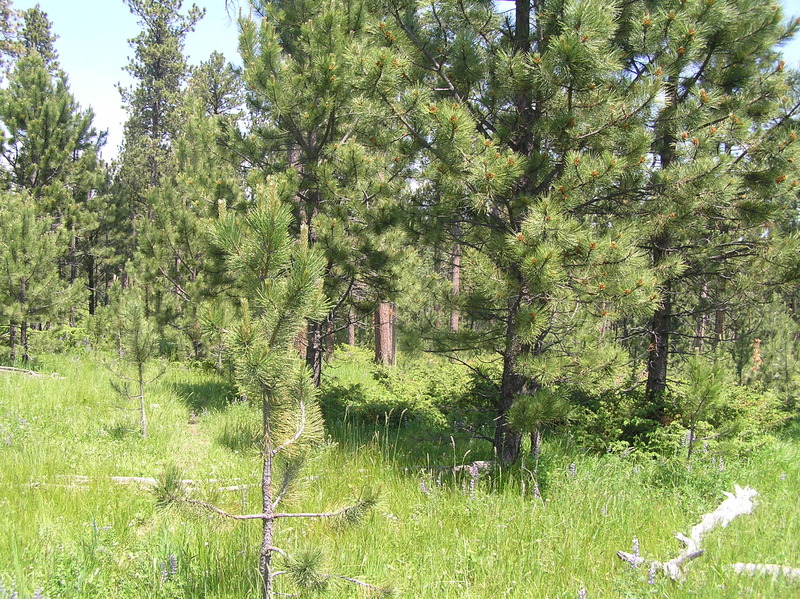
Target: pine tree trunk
{"points": [[330, 338], [23, 340], [92, 282], [719, 324], [315, 348], [141, 400], [267, 507], [385, 334], [507, 441], [456, 286], [702, 319], [659, 347], [351, 328], [12, 338], [660, 329], [23, 329], [73, 269]]}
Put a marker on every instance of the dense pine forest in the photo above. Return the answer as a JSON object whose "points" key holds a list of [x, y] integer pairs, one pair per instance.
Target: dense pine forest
{"points": [[441, 298]]}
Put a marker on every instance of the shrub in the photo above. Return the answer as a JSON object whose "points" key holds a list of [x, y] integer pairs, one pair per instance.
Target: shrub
{"points": [[426, 390]]}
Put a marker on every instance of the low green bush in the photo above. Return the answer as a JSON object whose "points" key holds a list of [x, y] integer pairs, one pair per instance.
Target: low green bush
{"points": [[424, 390]]}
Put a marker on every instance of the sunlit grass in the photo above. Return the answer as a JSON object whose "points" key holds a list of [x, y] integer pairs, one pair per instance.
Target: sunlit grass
{"points": [[430, 536]]}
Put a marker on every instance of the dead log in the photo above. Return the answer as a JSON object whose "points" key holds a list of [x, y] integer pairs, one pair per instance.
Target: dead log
{"points": [[12, 370], [774, 570], [736, 504]]}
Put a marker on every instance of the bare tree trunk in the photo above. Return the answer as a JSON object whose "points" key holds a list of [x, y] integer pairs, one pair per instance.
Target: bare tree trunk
{"points": [[719, 324], [351, 328], [315, 348], [23, 329], [73, 269], [702, 319], [385, 344], [267, 506], [23, 340], [141, 400], [12, 339], [507, 441], [92, 283], [660, 330], [330, 338], [456, 286]]}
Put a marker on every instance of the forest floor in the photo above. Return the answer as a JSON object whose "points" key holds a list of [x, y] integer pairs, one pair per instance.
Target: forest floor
{"points": [[71, 530]]}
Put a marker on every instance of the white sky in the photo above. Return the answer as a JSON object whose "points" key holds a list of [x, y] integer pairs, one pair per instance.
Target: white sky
{"points": [[93, 49]]}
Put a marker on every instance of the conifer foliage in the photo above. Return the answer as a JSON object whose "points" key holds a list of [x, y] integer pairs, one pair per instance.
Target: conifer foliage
{"points": [[279, 287]]}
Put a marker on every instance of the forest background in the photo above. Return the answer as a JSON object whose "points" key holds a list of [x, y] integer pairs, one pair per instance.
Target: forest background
{"points": [[492, 223]]}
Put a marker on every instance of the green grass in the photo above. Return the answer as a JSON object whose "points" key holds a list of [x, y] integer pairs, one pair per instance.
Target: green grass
{"points": [[96, 538]]}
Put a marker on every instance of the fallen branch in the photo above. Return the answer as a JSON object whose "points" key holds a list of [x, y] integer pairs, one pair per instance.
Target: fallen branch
{"points": [[77, 480], [772, 569], [480, 465], [736, 504], [12, 370]]}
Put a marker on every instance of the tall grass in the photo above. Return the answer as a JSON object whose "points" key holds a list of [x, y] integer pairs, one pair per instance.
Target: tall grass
{"points": [[434, 534]]}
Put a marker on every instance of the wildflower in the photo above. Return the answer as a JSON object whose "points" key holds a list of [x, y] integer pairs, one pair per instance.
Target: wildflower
{"points": [[582, 594], [783, 476], [635, 548], [536, 493], [651, 574], [423, 488], [572, 469]]}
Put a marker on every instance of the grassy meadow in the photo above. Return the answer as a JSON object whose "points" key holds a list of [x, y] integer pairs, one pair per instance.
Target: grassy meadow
{"points": [[69, 530]]}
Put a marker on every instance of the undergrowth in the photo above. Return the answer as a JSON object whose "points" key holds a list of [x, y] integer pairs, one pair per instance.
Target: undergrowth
{"points": [[440, 530]]}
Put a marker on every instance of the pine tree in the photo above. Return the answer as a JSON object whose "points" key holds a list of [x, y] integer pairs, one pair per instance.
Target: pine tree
{"points": [[31, 290], [174, 261], [528, 132], [217, 85], [9, 44], [722, 163], [279, 286], [138, 344], [159, 68], [37, 37], [311, 124], [50, 149]]}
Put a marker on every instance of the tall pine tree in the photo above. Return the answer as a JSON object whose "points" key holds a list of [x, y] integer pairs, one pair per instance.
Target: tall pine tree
{"points": [[527, 130], [312, 127]]}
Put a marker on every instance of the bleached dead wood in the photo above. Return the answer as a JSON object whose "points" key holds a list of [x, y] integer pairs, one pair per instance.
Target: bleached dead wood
{"points": [[736, 504], [12, 370], [480, 465], [770, 569], [77, 480]]}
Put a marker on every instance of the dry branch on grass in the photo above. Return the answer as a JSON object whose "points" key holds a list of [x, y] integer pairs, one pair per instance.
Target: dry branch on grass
{"points": [[12, 370], [770, 569], [736, 504], [78, 480]]}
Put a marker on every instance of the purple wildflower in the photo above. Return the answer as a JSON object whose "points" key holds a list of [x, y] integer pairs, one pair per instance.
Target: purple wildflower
{"points": [[582, 594], [422, 487], [651, 574], [572, 469], [635, 548]]}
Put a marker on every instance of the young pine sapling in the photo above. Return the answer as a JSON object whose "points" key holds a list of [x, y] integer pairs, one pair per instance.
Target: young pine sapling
{"points": [[279, 286]]}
